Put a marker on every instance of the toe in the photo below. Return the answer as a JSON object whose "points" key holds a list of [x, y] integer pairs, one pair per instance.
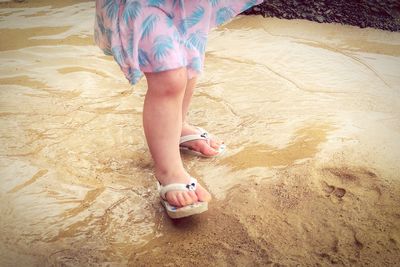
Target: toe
{"points": [[172, 199], [202, 194], [193, 196], [181, 199], [215, 144], [188, 199], [203, 147], [207, 150]]}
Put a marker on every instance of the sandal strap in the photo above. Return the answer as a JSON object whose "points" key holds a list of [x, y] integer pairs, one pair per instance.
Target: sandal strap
{"points": [[191, 186], [202, 135]]}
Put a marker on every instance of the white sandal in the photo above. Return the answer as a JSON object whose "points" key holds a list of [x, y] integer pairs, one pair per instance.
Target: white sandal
{"points": [[201, 135], [180, 212]]}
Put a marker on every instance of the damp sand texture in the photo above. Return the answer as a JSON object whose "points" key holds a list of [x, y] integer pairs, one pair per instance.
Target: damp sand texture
{"points": [[310, 113]]}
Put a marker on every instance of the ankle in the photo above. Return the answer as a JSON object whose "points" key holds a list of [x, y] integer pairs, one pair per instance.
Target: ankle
{"points": [[187, 128], [171, 175]]}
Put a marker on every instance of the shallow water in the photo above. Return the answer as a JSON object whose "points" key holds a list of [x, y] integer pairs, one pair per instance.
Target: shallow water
{"points": [[76, 182]]}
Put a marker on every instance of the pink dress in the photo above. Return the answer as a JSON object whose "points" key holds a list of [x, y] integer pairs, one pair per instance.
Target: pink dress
{"points": [[159, 35]]}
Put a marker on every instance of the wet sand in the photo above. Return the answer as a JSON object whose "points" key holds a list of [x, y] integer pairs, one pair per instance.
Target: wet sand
{"points": [[310, 113]]}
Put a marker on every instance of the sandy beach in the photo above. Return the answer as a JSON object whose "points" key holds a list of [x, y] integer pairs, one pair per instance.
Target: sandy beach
{"points": [[310, 114]]}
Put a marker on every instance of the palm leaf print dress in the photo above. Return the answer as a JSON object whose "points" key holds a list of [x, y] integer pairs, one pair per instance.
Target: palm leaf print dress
{"points": [[159, 35]]}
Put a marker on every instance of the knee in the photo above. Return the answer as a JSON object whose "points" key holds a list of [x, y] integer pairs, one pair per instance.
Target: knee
{"points": [[167, 83]]}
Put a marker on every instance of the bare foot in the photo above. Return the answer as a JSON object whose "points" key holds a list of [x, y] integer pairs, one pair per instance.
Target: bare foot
{"points": [[183, 198], [207, 149]]}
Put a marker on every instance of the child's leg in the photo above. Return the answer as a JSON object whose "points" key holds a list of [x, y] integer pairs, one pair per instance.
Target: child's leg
{"points": [[189, 90], [198, 145], [162, 121]]}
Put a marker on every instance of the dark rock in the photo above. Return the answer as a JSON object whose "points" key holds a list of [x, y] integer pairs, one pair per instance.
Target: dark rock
{"points": [[320, 19], [374, 8], [382, 14]]}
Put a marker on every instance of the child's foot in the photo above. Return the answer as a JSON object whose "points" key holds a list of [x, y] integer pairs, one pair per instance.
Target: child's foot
{"points": [[183, 198], [207, 149]]}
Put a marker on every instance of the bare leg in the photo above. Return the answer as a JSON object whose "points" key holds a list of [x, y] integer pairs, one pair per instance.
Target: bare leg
{"points": [[189, 90], [198, 145], [162, 121]]}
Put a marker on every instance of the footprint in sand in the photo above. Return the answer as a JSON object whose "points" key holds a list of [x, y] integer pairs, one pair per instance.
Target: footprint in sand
{"points": [[339, 192], [332, 190]]}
